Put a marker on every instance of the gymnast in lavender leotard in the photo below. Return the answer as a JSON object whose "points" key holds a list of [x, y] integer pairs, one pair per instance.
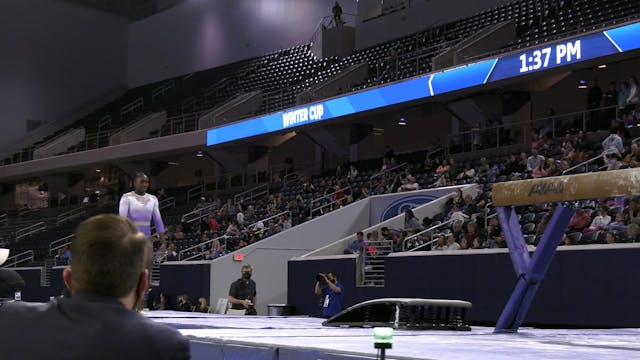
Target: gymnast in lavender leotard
{"points": [[141, 207]]}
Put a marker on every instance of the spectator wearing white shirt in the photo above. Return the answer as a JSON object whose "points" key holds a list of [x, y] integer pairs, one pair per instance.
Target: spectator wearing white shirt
{"points": [[451, 242], [613, 149], [534, 160], [601, 221]]}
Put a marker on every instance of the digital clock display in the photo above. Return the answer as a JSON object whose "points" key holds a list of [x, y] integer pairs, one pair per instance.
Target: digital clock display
{"points": [[557, 54]]}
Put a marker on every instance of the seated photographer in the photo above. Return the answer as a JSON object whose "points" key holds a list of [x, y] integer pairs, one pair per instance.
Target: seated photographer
{"points": [[328, 286]]}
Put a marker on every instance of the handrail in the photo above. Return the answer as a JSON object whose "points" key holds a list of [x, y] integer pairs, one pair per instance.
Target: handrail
{"points": [[199, 245], [166, 203], [4, 220], [584, 163], [199, 213], [260, 189], [383, 172], [530, 121], [23, 257], [194, 190], [404, 243], [31, 229], [65, 240], [330, 197], [68, 215], [263, 221]]}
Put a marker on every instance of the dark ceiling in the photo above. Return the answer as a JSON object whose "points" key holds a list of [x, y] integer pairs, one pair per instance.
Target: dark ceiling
{"points": [[132, 9]]}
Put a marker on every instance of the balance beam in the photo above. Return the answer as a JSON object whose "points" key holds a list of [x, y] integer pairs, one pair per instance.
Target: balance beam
{"points": [[567, 188]]}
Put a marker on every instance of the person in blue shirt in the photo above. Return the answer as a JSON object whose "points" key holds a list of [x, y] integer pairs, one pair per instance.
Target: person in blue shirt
{"points": [[328, 286]]}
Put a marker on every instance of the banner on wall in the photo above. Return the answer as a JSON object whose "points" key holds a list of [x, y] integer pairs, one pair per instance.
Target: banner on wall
{"points": [[385, 207]]}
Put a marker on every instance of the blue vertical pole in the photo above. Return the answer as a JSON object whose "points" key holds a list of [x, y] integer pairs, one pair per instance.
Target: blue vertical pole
{"points": [[517, 307]]}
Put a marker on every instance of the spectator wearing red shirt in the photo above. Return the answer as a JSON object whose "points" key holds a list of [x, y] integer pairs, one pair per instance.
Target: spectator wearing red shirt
{"points": [[213, 224], [580, 220]]}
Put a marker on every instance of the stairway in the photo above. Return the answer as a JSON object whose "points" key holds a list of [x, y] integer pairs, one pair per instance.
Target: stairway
{"points": [[45, 279], [373, 262]]}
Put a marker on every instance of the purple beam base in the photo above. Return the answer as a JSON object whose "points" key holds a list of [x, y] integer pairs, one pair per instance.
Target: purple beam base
{"points": [[530, 271]]}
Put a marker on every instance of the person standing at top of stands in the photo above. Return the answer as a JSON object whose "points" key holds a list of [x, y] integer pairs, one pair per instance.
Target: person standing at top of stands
{"points": [[141, 207], [337, 14], [242, 294], [331, 290], [107, 279]]}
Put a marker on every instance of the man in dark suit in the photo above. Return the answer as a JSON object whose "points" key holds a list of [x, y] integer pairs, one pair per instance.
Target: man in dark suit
{"points": [[107, 279]]}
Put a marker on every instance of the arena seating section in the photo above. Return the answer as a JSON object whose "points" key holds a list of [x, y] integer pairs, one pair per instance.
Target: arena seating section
{"points": [[283, 74]]}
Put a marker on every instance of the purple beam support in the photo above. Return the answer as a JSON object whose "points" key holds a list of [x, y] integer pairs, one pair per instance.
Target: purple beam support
{"points": [[517, 307], [514, 239]]}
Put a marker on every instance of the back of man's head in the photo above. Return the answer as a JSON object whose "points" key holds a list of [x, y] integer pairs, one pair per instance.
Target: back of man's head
{"points": [[108, 256]]}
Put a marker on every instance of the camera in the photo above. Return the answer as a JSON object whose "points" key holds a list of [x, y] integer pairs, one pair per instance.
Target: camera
{"points": [[320, 277]]}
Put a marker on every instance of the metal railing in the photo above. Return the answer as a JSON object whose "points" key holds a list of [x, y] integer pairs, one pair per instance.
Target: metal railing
{"points": [[386, 171], [30, 230], [266, 220], [69, 215], [167, 203], [328, 197], [252, 193], [584, 163], [425, 231], [195, 191], [197, 214], [181, 252], [60, 243], [519, 132], [4, 220], [26, 256]]}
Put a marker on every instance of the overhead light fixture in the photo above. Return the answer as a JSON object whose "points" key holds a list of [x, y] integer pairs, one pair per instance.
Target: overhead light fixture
{"points": [[582, 84], [172, 163], [199, 153], [402, 122], [98, 170], [603, 66]]}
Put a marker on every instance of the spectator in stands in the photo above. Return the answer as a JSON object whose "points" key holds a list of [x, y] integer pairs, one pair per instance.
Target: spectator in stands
{"points": [[456, 214], [409, 184], [172, 255], [331, 290], [610, 238], [472, 232], [633, 96], [441, 243], [594, 95], [601, 221], [623, 94], [356, 246], [233, 229], [451, 242], [534, 160], [443, 180], [467, 173], [353, 173], [179, 234], [443, 167], [213, 223], [242, 293], [465, 244], [513, 166], [613, 149], [239, 216], [457, 231], [411, 222], [107, 282], [580, 220], [202, 305], [542, 170], [286, 222], [633, 158]]}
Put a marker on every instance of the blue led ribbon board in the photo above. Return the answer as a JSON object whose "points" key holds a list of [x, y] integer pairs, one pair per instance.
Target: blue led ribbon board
{"points": [[562, 53]]}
